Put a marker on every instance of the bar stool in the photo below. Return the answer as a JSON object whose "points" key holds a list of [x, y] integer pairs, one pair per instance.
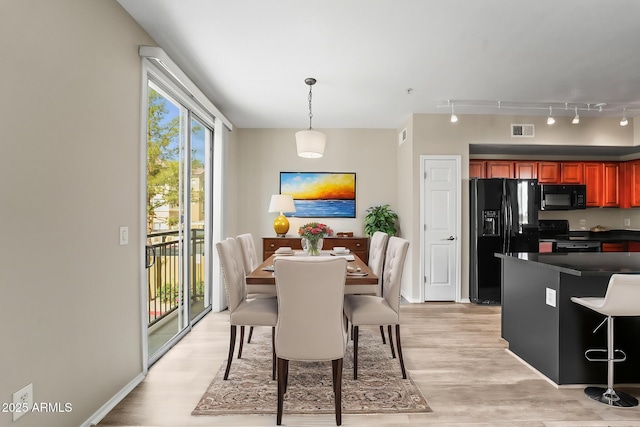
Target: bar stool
{"points": [[621, 299]]}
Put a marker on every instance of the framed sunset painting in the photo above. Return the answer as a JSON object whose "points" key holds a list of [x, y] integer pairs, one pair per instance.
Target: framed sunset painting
{"points": [[320, 194]]}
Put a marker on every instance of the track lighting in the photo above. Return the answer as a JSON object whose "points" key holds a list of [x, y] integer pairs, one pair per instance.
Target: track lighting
{"points": [[550, 119], [537, 109], [454, 118]]}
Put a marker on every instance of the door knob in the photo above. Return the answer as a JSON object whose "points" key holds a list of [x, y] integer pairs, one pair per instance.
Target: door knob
{"points": [[450, 238]]}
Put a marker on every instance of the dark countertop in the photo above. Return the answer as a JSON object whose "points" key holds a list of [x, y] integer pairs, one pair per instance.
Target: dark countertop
{"points": [[606, 236], [582, 263]]}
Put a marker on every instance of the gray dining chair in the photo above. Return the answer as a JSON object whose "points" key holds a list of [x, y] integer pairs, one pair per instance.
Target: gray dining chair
{"points": [[310, 320], [380, 310], [242, 310]]}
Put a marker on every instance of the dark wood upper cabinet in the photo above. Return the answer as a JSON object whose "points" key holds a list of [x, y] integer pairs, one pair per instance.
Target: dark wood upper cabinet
{"points": [[594, 179], [610, 185], [572, 173], [526, 170], [499, 169], [477, 169], [548, 172], [632, 184]]}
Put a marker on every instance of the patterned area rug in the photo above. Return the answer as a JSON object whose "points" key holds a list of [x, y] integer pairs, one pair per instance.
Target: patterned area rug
{"points": [[250, 389]]}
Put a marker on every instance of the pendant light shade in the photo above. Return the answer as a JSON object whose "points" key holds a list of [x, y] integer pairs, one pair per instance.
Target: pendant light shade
{"points": [[310, 143]]}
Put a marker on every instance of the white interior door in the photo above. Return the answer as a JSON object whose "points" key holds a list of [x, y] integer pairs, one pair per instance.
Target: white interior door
{"points": [[441, 227]]}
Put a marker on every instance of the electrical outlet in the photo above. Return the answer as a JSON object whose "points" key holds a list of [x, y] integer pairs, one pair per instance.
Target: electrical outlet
{"points": [[22, 401], [627, 222], [550, 297]]}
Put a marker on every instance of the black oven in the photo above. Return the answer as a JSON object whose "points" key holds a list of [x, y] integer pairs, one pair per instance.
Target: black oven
{"points": [[555, 197]]}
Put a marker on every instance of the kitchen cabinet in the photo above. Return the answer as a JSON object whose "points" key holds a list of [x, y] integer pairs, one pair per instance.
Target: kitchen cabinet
{"points": [[602, 180], [594, 179], [610, 185], [499, 169], [572, 173], [561, 172], [548, 172], [613, 247], [357, 245], [477, 169], [525, 170], [633, 246], [632, 184]]}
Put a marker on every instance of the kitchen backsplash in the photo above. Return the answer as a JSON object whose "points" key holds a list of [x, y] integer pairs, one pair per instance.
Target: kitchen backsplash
{"points": [[584, 219]]}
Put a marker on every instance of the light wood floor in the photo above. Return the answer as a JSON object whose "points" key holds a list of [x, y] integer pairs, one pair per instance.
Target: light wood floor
{"points": [[452, 351]]}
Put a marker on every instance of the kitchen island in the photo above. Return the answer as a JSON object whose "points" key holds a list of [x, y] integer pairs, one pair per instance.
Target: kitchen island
{"points": [[551, 333]]}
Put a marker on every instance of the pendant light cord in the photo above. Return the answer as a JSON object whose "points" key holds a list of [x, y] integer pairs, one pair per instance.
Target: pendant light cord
{"points": [[310, 114]]}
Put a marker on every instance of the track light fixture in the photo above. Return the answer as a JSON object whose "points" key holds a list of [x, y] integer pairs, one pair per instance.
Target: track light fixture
{"points": [[550, 119], [535, 108], [624, 120], [454, 118]]}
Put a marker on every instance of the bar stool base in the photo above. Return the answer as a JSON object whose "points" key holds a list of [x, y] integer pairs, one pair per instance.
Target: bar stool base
{"points": [[611, 397]]}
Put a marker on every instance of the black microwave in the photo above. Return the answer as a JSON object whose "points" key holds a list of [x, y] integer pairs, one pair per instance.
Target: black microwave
{"points": [[554, 197]]}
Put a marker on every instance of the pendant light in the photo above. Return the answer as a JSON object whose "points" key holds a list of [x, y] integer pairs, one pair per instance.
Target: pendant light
{"points": [[310, 143]]}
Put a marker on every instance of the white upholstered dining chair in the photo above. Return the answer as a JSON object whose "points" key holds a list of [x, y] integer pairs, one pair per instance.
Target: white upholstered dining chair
{"points": [[380, 310], [251, 262], [310, 320], [377, 249], [243, 311]]}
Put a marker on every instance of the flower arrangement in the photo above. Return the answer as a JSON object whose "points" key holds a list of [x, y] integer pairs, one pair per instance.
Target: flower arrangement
{"points": [[313, 232]]}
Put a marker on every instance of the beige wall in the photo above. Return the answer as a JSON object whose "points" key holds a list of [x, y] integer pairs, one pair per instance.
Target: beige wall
{"points": [[71, 169], [70, 320], [264, 153]]}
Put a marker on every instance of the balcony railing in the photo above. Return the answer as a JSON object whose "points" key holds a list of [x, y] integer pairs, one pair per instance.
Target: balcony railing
{"points": [[164, 270]]}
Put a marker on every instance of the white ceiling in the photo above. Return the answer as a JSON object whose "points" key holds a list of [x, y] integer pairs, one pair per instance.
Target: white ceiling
{"points": [[251, 57]]}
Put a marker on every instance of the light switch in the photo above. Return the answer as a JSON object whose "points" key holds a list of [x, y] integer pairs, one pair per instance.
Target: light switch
{"points": [[551, 297], [124, 235]]}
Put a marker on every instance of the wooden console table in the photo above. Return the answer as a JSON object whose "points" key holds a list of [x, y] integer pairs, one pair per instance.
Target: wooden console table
{"points": [[357, 245]]}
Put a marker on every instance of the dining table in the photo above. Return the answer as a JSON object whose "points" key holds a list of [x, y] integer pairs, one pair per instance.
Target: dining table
{"points": [[360, 278]]}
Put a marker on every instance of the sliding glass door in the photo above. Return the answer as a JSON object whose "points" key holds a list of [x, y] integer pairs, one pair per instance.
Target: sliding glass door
{"points": [[200, 178], [178, 196]]}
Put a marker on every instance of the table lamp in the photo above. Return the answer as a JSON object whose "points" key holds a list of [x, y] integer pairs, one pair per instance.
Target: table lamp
{"points": [[281, 203]]}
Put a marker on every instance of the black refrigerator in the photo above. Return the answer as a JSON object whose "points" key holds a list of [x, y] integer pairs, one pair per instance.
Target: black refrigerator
{"points": [[503, 219]]}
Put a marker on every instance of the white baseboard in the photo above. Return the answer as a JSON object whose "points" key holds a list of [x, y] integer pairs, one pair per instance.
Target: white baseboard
{"points": [[107, 407]]}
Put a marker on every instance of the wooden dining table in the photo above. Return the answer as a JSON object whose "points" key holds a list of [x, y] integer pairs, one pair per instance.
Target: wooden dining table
{"points": [[361, 280]]}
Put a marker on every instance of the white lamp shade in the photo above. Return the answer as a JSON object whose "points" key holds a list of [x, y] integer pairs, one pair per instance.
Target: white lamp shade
{"points": [[282, 203], [310, 143]]}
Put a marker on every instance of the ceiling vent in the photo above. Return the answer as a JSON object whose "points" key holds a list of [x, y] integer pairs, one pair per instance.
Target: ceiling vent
{"points": [[522, 131]]}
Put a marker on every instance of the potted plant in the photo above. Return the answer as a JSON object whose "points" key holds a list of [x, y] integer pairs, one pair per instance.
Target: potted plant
{"points": [[380, 218]]}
